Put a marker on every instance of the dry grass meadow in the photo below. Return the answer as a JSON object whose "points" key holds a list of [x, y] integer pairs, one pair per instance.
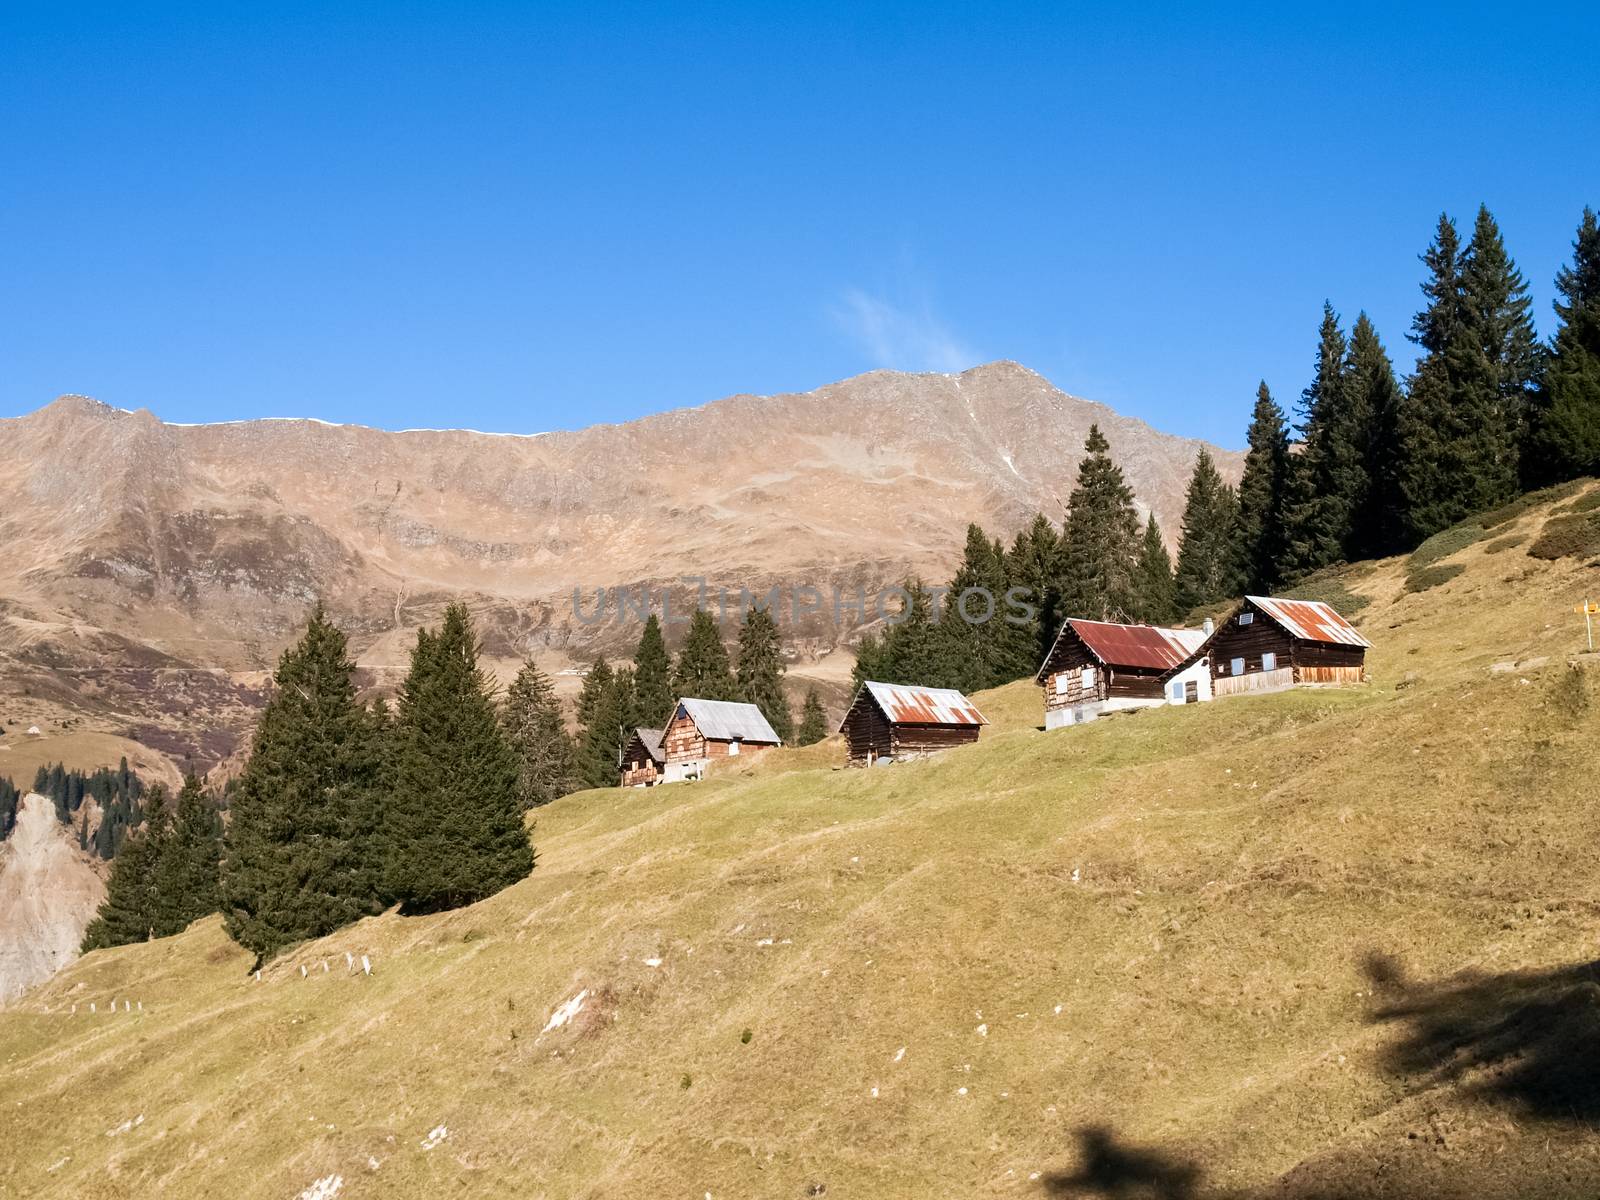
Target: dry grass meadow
{"points": [[1314, 944]]}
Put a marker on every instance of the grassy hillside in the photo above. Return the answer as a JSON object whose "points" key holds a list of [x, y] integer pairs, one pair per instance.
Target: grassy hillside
{"points": [[1322, 943]]}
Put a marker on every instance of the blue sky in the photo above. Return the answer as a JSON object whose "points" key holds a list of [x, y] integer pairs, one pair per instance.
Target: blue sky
{"points": [[525, 217]]}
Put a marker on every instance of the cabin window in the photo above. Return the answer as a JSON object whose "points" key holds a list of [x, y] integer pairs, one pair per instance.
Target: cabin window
{"points": [[1176, 691], [1247, 618], [1236, 667], [1087, 678], [1063, 681], [733, 749], [1269, 662]]}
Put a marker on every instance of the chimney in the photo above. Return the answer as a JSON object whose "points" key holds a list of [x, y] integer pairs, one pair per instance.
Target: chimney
{"points": [[1208, 626]]}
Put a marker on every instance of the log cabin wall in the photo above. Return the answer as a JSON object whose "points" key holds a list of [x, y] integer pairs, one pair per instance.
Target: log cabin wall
{"points": [[1251, 642], [681, 741], [912, 741], [1129, 684], [867, 732], [637, 774], [1063, 679]]}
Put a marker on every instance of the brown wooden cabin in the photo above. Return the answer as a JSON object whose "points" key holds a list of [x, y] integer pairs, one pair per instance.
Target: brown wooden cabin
{"points": [[1267, 643], [889, 722], [703, 730], [641, 761], [1096, 667]]}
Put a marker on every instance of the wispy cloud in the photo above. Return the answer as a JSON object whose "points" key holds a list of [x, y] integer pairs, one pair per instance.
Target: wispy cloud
{"points": [[906, 338]]}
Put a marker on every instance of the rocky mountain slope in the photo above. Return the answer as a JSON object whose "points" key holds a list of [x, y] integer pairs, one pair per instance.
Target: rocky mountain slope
{"points": [[49, 890], [1314, 945], [153, 572]]}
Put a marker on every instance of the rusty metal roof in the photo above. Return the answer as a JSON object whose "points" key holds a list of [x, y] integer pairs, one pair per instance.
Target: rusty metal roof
{"points": [[1145, 647], [727, 721], [1310, 620], [904, 704]]}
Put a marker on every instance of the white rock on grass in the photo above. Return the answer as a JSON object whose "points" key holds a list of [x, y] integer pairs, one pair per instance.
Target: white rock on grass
{"points": [[325, 1188], [566, 1012], [435, 1136]]}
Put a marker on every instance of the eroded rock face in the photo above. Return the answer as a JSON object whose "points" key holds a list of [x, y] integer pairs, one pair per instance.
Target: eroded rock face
{"points": [[206, 543], [49, 891]]}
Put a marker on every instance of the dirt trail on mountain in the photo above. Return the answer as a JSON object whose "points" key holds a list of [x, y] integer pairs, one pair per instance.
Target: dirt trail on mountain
{"points": [[48, 893]]}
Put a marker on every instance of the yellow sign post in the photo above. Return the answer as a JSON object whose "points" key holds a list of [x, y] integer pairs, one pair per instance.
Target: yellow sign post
{"points": [[1588, 610]]}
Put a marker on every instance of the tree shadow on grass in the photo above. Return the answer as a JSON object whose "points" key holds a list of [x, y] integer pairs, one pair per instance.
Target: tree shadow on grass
{"points": [[1114, 1169], [1529, 1037]]}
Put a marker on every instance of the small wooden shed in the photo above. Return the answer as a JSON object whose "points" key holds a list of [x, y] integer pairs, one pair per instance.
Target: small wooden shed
{"points": [[641, 761], [891, 722], [1096, 667], [703, 730], [1268, 643]]}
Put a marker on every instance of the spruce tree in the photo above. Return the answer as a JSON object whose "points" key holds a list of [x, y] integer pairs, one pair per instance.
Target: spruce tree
{"points": [[813, 720], [1564, 438], [1155, 593], [1207, 567], [1465, 403], [187, 877], [300, 855], [703, 671], [127, 914], [454, 833], [1376, 519], [980, 647], [652, 676], [1034, 565], [1100, 544], [761, 670], [531, 716], [596, 686], [1259, 534], [1331, 481], [871, 661], [1501, 315], [612, 720]]}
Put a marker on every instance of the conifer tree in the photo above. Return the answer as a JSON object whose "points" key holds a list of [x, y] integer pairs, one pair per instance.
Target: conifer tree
{"points": [[871, 661], [761, 670], [1207, 568], [454, 832], [597, 683], [1461, 412], [1501, 314], [813, 720], [1259, 534], [186, 884], [1329, 481], [703, 671], [1155, 593], [981, 649], [1377, 519], [300, 855], [1100, 543], [652, 676], [1034, 564], [1564, 440], [533, 725], [127, 914], [612, 720]]}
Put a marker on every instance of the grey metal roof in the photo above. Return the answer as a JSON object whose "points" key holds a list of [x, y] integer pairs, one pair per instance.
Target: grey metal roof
{"points": [[650, 739], [727, 721]]}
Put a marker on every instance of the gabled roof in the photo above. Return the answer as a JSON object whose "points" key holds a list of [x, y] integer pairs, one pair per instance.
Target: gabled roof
{"points": [[905, 704], [650, 739], [727, 721], [1310, 620], [1143, 647]]}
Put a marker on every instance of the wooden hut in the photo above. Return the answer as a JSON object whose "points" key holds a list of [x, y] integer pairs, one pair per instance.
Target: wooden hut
{"points": [[1267, 643], [890, 722], [703, 730], [641, 761], [1096, 667]]}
